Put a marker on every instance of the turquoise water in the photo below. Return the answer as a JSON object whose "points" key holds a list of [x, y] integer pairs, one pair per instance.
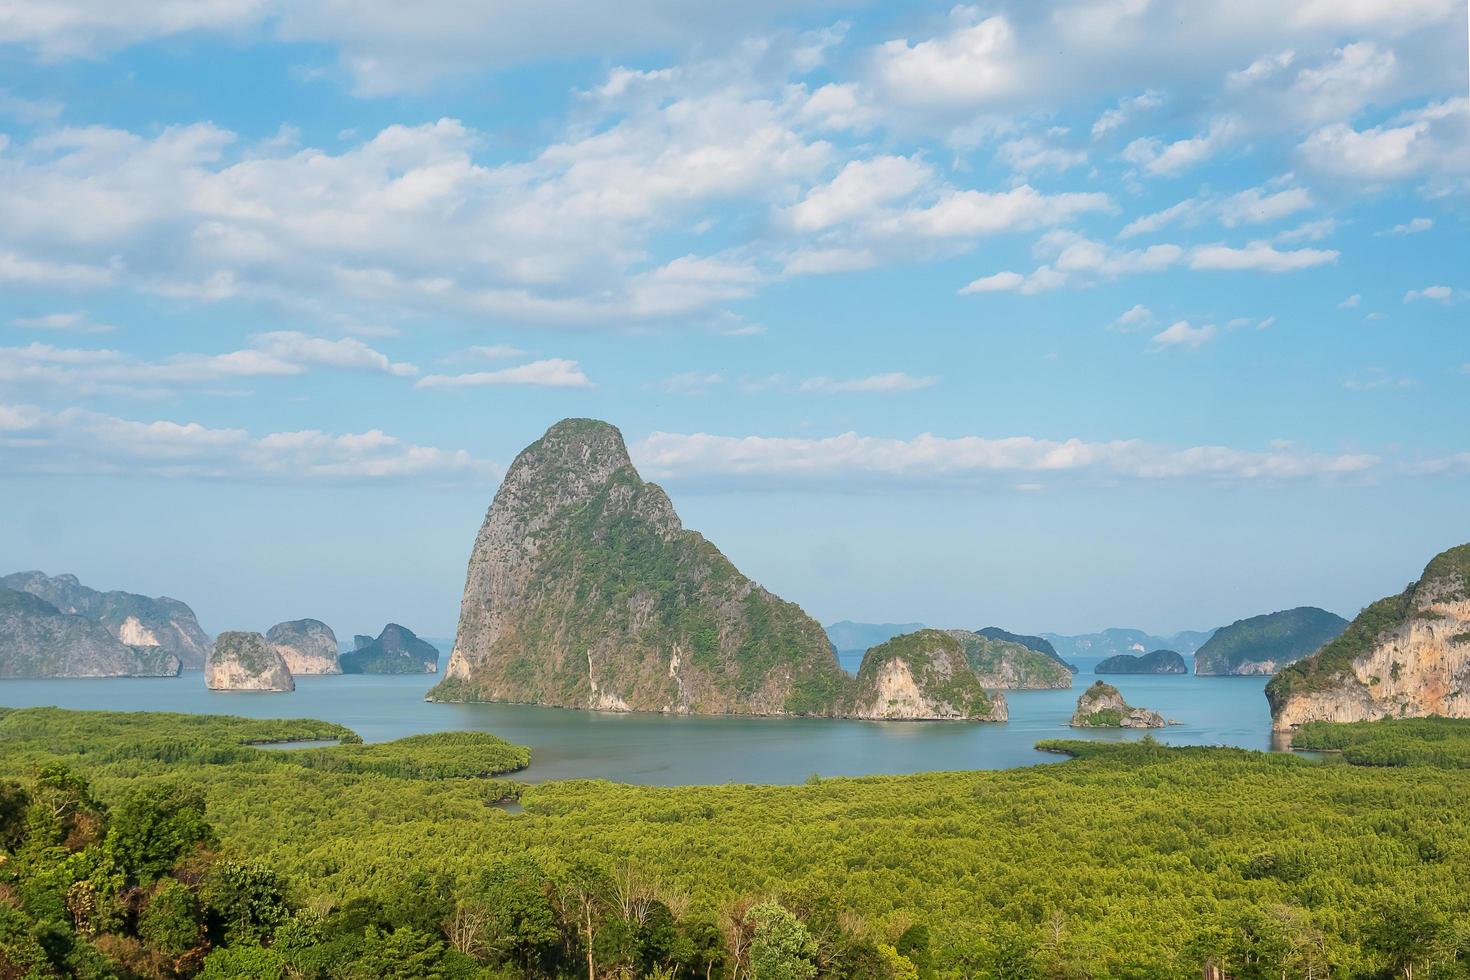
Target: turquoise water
{"points": [[667, 751]]}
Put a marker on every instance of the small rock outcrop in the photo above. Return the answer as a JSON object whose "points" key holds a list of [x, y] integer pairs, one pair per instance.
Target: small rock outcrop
{"points": [[584, 590], [1265, 644], [1007, 665], [921, 676], [395, 651], [1156, 662], [1404, 656], [39, 640], [135, 620], [1102, 706], [307, 645], [242, 661]]}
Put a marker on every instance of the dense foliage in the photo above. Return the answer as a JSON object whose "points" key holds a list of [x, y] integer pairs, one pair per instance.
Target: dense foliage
{"points": [[1133, 860], [1277, 638], [937, 663], [1154, 662], [1440, 742]]}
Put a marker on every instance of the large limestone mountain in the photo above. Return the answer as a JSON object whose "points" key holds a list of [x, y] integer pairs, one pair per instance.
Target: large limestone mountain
{"points": [[39, 640], [136, 620], [241, 661], [1011, 666], [1266, 644], [307, 645], [923, 676], [584, 590], [1405, 656]]}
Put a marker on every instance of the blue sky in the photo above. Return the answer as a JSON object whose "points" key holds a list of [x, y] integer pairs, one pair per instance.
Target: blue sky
{"points": [[1055, 316]]}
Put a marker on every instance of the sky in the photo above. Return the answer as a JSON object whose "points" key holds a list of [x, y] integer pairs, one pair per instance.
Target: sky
{"points": [[1055, 316]]}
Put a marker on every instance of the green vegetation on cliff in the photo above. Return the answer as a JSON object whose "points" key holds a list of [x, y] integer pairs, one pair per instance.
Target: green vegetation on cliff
{"points": [[1133, 860], [584, 590], [1266, 644], [936, 663], [1446, 579], [1155, 662], [1009, 664]]}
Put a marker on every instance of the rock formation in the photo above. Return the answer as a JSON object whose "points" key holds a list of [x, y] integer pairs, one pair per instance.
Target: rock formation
{"points": [[243, 661], [136, 620], [39, 640], [923, 676], [1038, 643], [395, 651], [307, 645], [584, 590], [1265, 644], [1010, 666], [1405, 656], [1156, 662], [1102, 706]]}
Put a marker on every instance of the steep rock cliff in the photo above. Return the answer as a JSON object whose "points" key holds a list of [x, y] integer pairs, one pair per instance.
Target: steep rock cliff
{"points": [[1404, 656], [136, 620], [307, 645], [39, 640], [243, 661], [922, 676], [584, 590], [1010, 666]]}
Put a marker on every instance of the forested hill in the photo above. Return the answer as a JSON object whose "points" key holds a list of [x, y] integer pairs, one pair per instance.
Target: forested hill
{"points": [[157, 845]]}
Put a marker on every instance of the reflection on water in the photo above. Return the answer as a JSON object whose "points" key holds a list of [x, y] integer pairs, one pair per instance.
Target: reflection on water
{"points": [[658, 750]]}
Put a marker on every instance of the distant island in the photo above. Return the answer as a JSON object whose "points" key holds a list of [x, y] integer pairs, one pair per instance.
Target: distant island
{"points": [[150, 636], [1266, 644], [244, 661], [1002, 664], [1404, 656], [1110, 642], [396, 650], [1155, 662]]}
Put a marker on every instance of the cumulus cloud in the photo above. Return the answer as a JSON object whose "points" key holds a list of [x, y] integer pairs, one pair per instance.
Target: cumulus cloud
{"points": [[1126, 109], [1181, 335], [1413, 226], [1171, 159], [74, 441], [1077, 259], [1135, 317], [1431, 141], [927, 459], [552, 372], [1440, 294], [1256, 206]]}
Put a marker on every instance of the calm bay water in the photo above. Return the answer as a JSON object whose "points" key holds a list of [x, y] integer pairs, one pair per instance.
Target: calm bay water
{"points": [[667, 751]]}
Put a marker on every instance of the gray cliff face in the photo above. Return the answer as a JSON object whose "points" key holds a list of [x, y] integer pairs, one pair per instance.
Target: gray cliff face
{"points": [[135, 620], [1102, 706], [307, 645], [921, 676], [1404, 656], [39, 640], [584, 590], [243, 661]]}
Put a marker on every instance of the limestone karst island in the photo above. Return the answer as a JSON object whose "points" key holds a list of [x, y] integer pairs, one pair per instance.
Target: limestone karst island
{"points": [[826, 490]]}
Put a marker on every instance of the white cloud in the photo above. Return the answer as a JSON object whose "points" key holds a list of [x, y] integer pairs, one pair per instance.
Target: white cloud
{"points": [[1030, 154], [1000, 282], [1440, 294], [1124, 112], [856, 192], [1377, 379], [495, 351], [99, 371], [74, 322], [1150, 223], [550, 373], [1135, 317], [24, 270], [1431, 141], [927, 459], [1171, 159], [1183, 336], [1351, 302], [74, 441], [1413, 226], [1353, 76], [690, 383], [1308, 231], [1259, 257], [1255, 206], [974, 63], [874, 384]]}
